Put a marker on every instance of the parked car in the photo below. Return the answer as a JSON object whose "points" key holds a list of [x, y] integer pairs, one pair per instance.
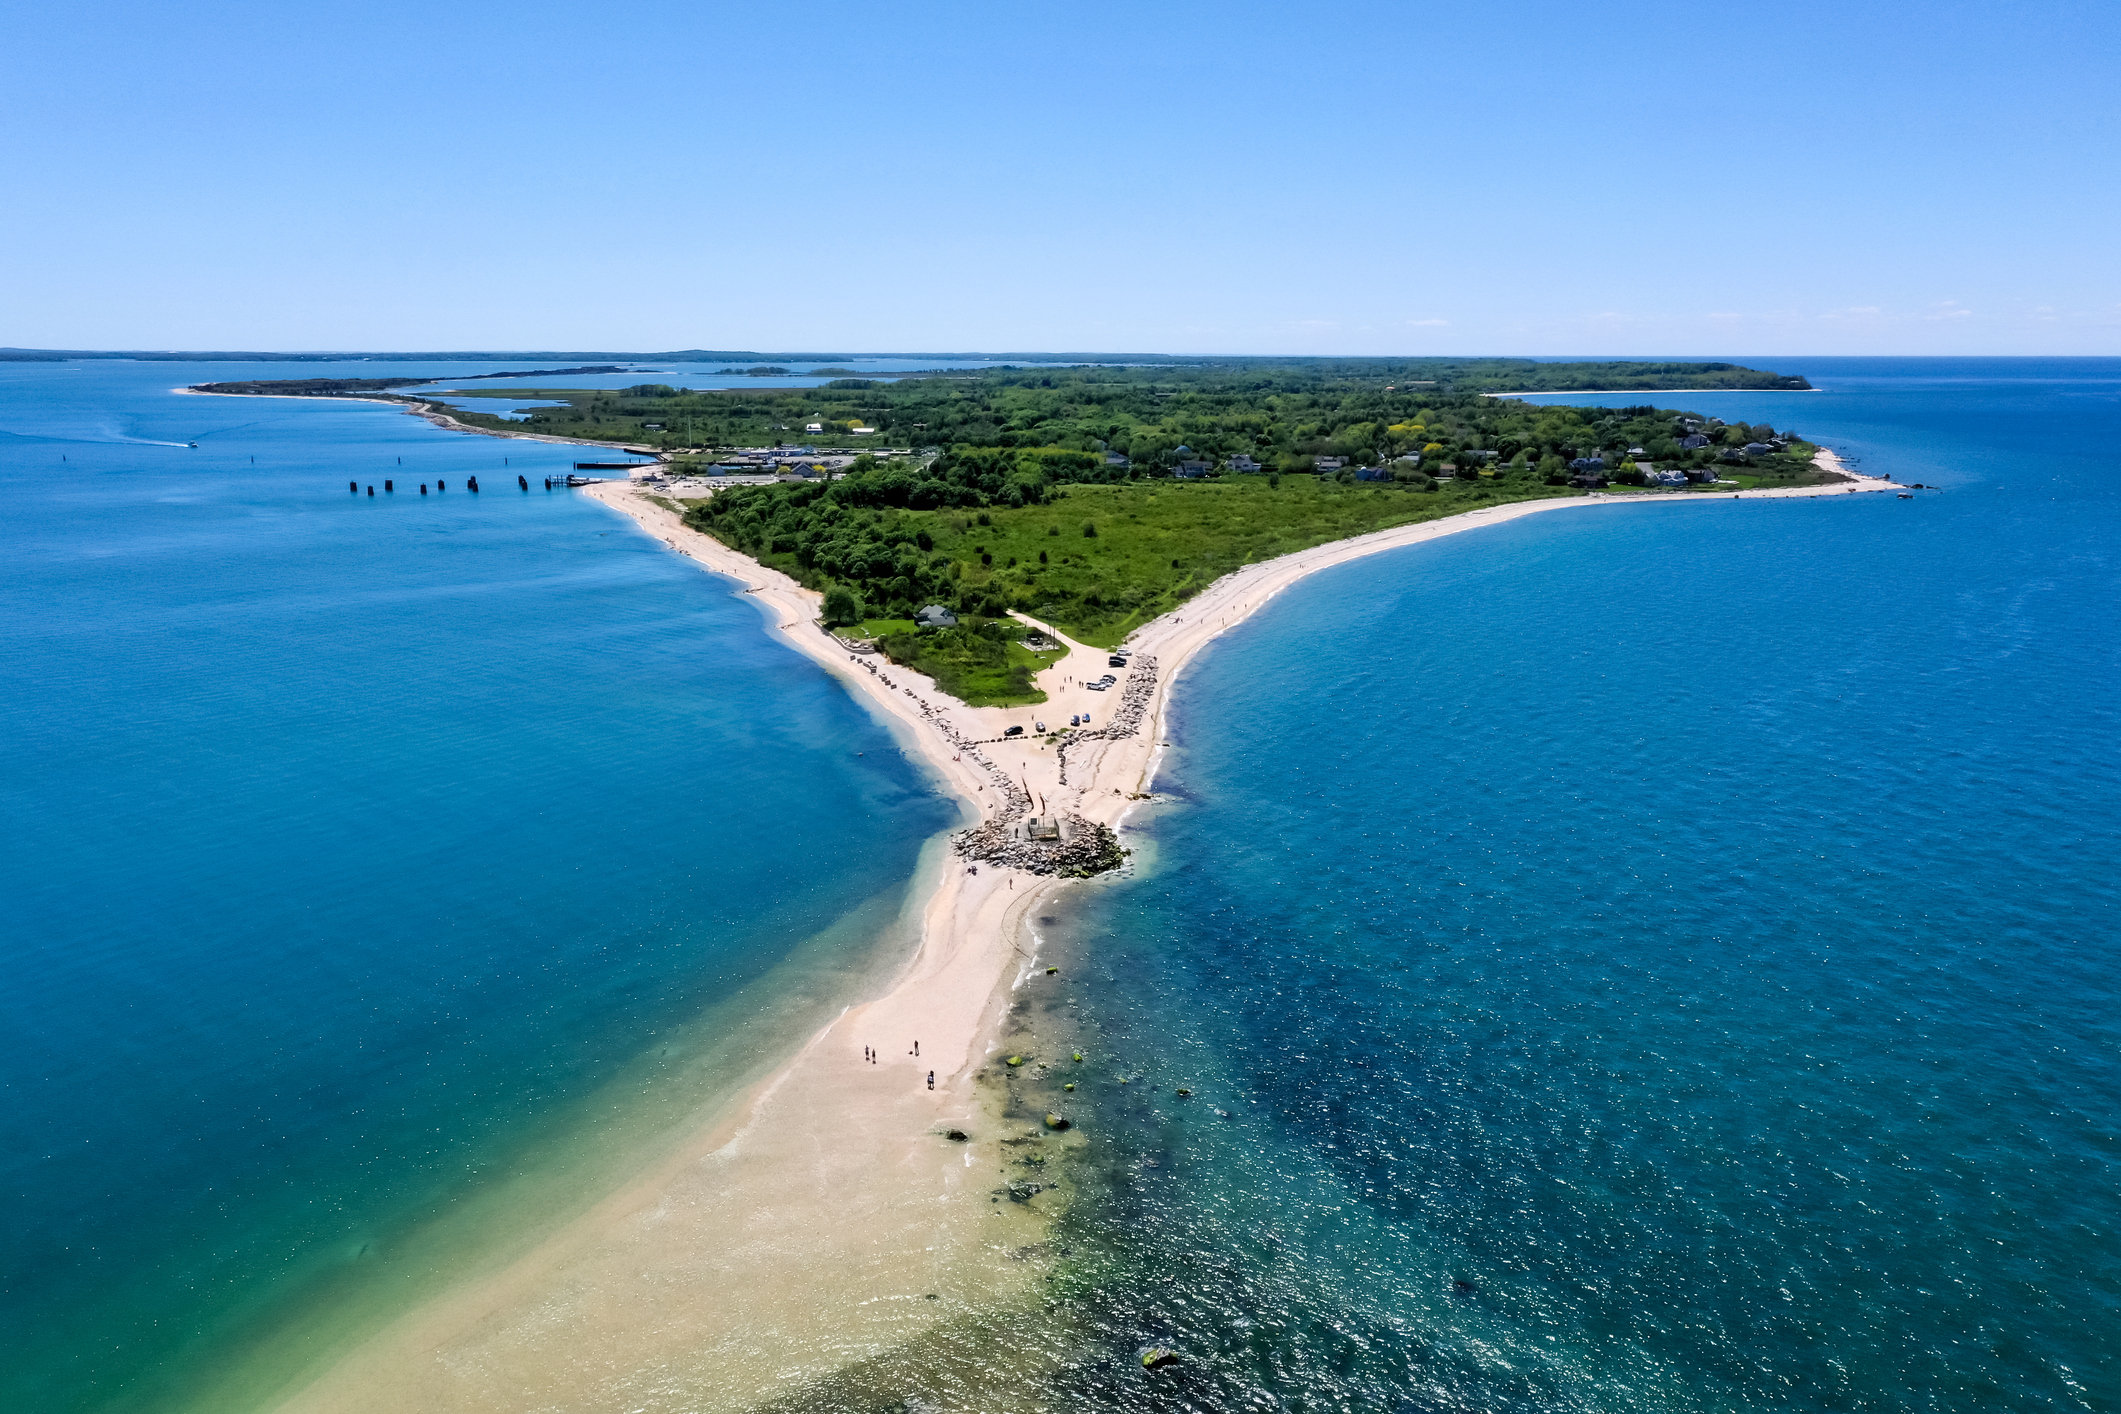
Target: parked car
{"points": [[1014, 731]]}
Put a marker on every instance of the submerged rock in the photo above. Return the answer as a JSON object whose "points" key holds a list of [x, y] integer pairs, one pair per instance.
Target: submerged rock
{"points": [[1054, 1121], [1156, 1357]]}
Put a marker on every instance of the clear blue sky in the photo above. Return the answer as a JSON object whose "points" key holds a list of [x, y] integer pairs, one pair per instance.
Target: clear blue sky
{"points": [[1335, 177]]}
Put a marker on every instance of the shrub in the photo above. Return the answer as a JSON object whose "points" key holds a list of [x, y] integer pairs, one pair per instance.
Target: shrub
{"points": [[842, 606]]}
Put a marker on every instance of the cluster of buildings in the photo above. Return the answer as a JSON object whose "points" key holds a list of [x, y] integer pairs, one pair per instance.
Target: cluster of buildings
{"points": [[786, 460], [1589, 473]]}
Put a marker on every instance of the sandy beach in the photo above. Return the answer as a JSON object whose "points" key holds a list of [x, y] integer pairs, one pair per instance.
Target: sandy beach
{"points": [[824, 1217]]}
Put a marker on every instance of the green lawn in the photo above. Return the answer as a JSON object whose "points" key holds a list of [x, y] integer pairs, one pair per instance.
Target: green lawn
{"points": [[981, 662], [877, 628]]}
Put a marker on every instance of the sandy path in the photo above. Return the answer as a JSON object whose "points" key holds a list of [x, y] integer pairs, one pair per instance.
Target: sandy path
{"points": [[805, 1226]]}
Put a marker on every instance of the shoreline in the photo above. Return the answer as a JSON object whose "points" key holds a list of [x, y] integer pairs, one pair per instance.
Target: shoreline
{"points": [[820, 1218], [1618, 392]]}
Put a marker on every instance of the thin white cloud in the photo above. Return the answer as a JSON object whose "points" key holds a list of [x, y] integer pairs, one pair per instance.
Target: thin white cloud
{"points": [[1429, 323], [1950, 309]]}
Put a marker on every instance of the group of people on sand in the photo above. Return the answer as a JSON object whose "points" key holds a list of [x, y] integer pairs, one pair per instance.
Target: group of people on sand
{"points": [[871, 1056]]}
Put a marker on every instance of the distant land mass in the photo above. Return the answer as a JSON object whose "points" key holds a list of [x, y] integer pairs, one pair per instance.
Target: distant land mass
{"points": [[1485, 375], [337, 387]]}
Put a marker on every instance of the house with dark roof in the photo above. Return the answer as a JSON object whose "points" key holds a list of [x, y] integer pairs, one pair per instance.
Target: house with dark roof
{"points": [[1191, 470], [935, 616]]}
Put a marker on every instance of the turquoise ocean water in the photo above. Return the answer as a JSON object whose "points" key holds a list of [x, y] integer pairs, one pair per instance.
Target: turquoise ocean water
{"points": [[1654, 958], [1658, 958], [354, 840]]}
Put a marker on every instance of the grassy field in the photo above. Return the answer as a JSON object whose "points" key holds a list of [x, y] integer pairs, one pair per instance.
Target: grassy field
{"points": [[1156, 544], [982, 662]]}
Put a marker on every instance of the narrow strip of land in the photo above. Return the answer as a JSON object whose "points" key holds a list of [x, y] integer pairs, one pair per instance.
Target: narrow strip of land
{"points": [[807, 1223]]}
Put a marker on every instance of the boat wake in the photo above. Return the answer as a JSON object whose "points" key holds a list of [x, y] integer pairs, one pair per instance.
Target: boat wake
{"points": [[115, 441]]}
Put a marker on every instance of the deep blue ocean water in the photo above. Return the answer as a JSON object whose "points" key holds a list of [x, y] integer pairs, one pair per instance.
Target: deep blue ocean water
{"points": [[350, 840], [1653, 958]]}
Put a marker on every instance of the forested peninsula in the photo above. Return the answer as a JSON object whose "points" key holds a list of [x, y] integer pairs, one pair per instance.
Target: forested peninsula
{"points": [[1253, 406], [1097, 500]]}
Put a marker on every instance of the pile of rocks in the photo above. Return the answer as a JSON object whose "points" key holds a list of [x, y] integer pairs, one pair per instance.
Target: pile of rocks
{"points": [[1089, 849]]}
